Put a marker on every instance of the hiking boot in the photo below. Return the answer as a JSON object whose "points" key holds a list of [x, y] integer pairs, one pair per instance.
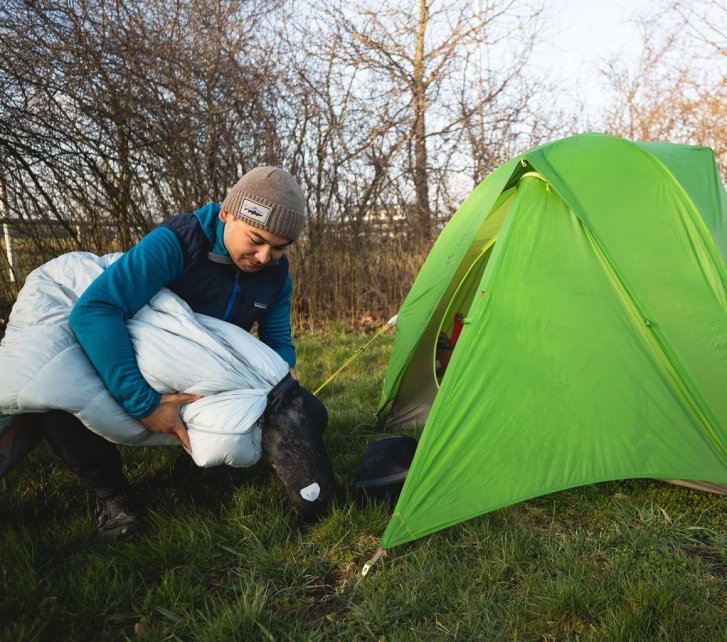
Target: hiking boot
{"points": [[118, 516]]}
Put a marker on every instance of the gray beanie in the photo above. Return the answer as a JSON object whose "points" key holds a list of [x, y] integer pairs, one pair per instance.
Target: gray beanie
{"points": [[270, 199]]}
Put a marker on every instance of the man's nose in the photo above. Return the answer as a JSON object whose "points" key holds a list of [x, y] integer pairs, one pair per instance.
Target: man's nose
{"points": [[263, 254]]}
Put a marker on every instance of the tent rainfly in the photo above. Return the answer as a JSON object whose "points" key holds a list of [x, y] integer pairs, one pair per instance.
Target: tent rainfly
{"points": [[589, 278]]}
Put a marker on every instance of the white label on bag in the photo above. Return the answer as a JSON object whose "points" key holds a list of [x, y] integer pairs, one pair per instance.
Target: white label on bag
{"points": [[311, 492]]}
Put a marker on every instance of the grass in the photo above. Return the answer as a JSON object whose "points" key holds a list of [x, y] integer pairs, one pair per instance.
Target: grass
{"points": [[632, 560]]}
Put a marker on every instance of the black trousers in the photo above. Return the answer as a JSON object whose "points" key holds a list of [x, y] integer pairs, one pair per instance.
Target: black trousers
{"points": [[97, 462], [92, 458]]}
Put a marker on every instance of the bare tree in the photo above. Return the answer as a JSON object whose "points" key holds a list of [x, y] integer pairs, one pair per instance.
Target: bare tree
{"points": [[705, 22], [127, 111], [123, 112], [675, 93], [407, 53], [503, 108]]}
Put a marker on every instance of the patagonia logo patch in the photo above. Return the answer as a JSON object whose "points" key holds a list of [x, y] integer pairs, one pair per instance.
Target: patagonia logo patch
{"points": [[256, 211], [261, 305]]}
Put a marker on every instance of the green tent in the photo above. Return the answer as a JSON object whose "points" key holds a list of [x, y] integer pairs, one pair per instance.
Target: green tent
{"points": [[590, 273]]}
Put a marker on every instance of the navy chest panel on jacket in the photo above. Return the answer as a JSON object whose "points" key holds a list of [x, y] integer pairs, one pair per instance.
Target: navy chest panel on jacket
{"points": [[221, 290]]}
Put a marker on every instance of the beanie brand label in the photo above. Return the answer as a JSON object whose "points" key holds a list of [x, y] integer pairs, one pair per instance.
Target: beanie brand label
{"points": [[255, 211]]}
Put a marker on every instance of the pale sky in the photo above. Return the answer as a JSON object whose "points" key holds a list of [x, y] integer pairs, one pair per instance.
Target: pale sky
{"points": [[581, 36]]}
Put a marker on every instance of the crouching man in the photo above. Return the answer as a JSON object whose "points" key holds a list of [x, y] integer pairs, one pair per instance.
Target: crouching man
{"points": [[226, 261]]}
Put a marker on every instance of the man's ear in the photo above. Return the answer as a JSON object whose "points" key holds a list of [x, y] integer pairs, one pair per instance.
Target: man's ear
{"points": [[224, 216]]}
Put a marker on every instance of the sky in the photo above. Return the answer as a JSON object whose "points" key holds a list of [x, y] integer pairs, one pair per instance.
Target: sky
{"points": [[581, 36]]}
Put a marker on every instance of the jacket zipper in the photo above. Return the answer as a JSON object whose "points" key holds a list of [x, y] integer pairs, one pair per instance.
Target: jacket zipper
{"points": [[233, 296]]}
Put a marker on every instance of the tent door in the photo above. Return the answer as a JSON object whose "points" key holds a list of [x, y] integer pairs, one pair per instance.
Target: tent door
{"points": [[458, 310]]}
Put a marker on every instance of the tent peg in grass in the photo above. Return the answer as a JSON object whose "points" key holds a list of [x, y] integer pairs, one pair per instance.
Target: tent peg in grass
{"points": [[367, 567]]}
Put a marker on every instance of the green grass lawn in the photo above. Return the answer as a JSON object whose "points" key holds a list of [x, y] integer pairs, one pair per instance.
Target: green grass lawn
{"points": [[632, 560]]}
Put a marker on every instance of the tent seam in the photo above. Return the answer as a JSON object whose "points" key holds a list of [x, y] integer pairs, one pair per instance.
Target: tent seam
{"points": [[655, 343]]}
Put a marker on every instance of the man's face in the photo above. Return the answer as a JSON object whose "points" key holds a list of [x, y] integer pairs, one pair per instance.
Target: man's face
{"points": [[251, 248]]}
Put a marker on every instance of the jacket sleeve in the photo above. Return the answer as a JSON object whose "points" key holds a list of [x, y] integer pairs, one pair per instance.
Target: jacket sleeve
{"points": [[274, 329], [99, 317]]}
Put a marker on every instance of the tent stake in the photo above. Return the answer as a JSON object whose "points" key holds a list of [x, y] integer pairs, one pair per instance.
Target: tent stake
{"points": [[367, 567]]}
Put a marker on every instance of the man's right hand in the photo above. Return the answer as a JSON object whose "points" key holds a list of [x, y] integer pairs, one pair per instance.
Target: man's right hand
{"points": [[166, 419]]}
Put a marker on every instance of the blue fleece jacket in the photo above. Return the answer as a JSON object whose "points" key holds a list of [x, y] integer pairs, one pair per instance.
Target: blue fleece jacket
{"points": [[177, 255]]}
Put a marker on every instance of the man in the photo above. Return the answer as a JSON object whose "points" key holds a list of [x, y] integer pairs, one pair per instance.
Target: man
{"points": [[225, 261]]}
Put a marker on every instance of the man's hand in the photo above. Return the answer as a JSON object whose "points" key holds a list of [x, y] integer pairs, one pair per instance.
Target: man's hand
{"points": [[165, 417]]}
